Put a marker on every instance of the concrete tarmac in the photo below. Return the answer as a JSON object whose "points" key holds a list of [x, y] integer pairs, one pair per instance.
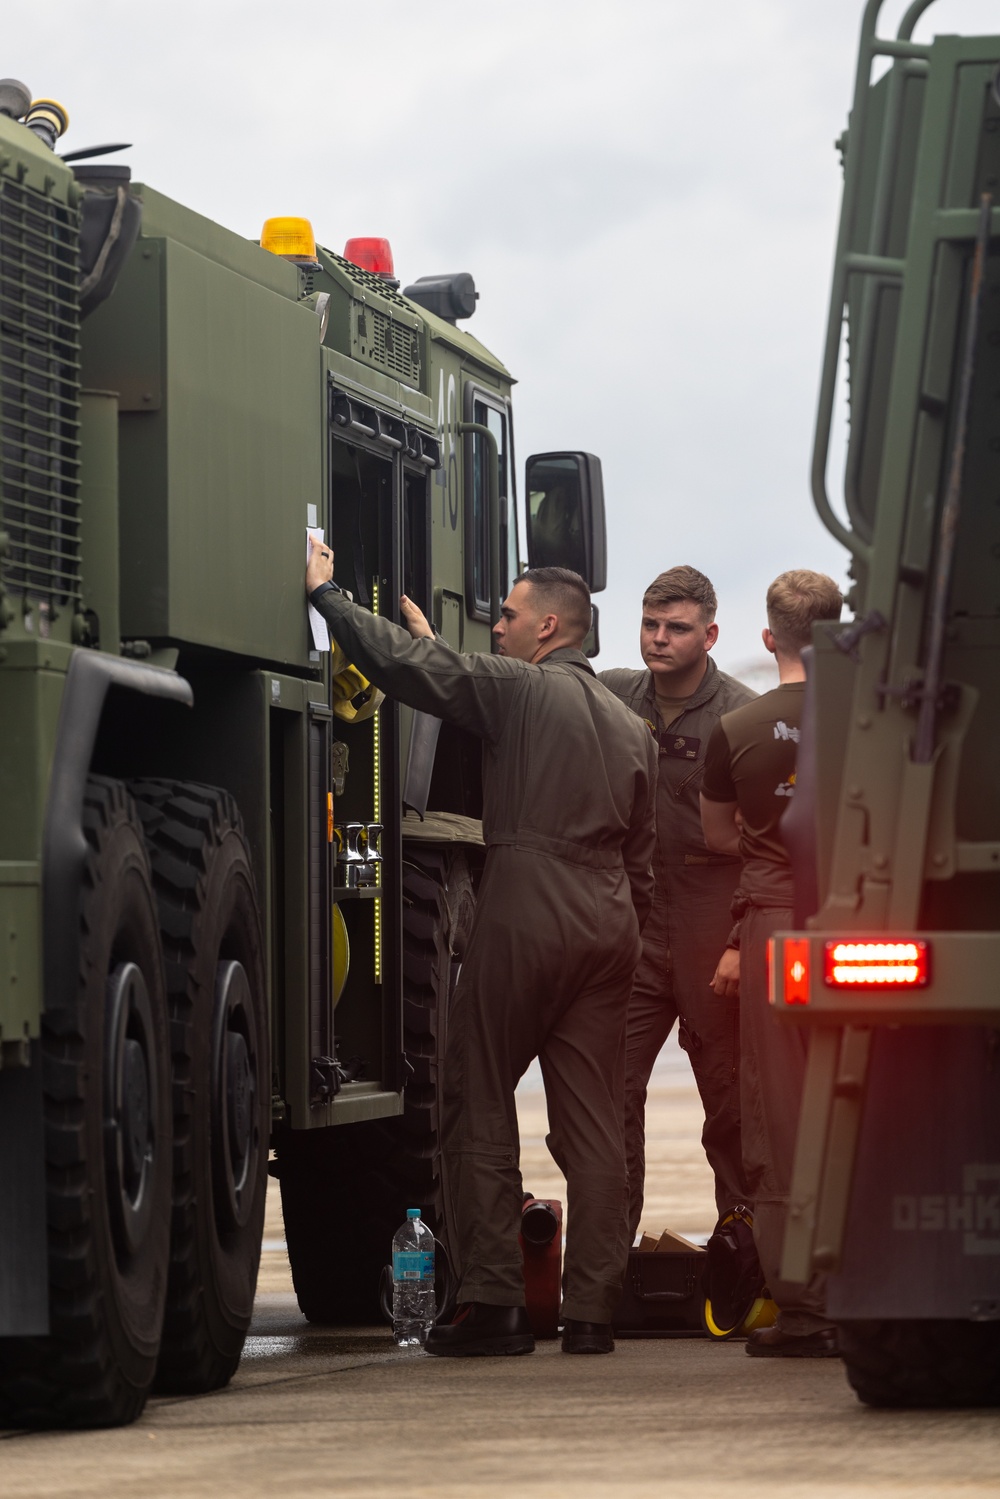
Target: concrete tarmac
{"points": [[316, 1411]]}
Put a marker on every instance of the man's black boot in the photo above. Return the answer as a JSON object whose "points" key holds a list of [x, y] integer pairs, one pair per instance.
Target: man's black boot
{"points": [[587, 1337], [482, 1331], [771, 1342]]}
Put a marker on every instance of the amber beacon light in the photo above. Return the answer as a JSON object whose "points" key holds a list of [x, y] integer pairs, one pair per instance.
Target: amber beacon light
{"points": [[876, 965], [291, 238]]}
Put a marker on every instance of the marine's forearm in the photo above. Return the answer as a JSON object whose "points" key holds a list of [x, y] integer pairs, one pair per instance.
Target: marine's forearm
{"points": [[424, 674], [374, 644]]}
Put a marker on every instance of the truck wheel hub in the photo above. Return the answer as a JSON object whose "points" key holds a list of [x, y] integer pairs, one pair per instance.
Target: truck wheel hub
{"points": [[236, 1136], [130, 1106]]}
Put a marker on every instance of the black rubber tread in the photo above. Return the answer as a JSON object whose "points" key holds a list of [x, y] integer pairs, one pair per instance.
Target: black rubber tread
{"points": [[438, 907], [208, 911], [96, 1366], [345, 1190], [912, 1364], [336, 1187]]}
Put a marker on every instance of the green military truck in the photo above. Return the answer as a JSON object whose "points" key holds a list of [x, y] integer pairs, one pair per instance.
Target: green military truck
{"points": [[233, 888], [895, 967]]}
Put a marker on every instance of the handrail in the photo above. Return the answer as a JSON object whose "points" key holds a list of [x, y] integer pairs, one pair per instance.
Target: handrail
{"points": [[838, 294], [923, 738], [848, 262], [862, 351], [911, 17]]}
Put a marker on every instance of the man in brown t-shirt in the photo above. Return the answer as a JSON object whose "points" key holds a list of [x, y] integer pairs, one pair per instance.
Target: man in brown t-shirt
{"points": [[749, 778]]}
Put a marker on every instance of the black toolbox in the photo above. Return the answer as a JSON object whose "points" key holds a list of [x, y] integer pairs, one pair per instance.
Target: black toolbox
{"points": [[662, 1295]]}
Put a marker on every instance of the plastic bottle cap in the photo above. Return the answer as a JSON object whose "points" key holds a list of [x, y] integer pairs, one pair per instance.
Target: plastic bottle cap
{"points": [[413, 1212]]}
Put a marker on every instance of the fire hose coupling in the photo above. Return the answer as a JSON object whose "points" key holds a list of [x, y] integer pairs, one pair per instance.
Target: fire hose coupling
{"points": [[48, 120], [359, 858]]}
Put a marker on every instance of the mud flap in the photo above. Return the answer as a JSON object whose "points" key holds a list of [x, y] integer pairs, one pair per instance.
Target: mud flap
{"points": [[923, 1230]]}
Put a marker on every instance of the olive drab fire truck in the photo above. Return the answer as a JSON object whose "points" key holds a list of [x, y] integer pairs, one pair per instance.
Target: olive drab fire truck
{"points": [[234, 885], [894, 970]]}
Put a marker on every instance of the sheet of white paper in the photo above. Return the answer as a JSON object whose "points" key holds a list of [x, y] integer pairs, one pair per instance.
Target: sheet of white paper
{"points": [[317, 624]]}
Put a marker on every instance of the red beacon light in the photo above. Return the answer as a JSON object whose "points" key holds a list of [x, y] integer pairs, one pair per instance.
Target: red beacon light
{"points": [[373, 255], [876, 965]]}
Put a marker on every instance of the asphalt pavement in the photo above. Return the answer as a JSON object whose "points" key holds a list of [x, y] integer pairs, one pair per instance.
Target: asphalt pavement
{"points": [[322, 1411]]}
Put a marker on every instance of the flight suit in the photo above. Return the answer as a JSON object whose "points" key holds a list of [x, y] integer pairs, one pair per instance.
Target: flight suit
{"points": [[684, 938], [569, 781]]}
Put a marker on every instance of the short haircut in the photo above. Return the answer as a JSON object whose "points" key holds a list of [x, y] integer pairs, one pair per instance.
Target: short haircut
{"points": [[795, 600], [682, 585], [561, 592]]}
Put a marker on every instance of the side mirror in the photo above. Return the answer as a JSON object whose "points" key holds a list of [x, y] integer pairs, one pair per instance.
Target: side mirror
{"points": [[565, 515]]}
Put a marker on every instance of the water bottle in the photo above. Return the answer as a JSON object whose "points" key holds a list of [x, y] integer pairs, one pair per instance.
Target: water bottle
{"points": [[413, 1305]]}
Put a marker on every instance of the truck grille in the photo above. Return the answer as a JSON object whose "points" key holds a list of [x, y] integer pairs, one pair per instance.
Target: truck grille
{"points": [[395, 348], [39, 395], [388, 344]]}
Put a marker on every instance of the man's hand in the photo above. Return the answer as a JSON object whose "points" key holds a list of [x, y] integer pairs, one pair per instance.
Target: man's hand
{"points": [[320, 566], [415, 620], [726, 978]]}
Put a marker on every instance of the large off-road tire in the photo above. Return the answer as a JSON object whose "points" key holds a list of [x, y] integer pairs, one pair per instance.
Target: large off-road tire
{"points": [[106, 1084], [204, 886], [439, 903], [922, 1363], [345, 1190]]}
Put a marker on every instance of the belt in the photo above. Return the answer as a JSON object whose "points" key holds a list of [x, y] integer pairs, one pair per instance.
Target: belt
{"points": [[767, 886], [717, 863], [583, 855], [710, 861]]}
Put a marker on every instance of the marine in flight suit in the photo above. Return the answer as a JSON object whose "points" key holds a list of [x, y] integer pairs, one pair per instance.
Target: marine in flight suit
{"points": [[690, 921], [686, 932], [569, 779]]}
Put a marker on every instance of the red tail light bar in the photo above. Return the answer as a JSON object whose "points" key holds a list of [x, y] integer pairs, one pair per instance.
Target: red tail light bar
{"points": [[848, 964], [875, 965], [868, 978]]}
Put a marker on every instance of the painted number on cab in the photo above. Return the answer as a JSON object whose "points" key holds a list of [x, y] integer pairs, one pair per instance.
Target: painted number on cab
{"points": [[447, 423]]}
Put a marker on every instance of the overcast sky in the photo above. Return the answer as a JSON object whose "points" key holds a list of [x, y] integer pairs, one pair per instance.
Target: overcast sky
{"points": [[646, 193]]}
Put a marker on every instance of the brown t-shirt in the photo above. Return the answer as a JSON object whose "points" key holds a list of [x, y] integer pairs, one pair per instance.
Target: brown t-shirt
{"points": [[750, 760], [670, 708]]}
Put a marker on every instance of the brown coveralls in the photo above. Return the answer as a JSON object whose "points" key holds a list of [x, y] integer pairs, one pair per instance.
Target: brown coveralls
{"points": [[569, 779], [684, 939]]}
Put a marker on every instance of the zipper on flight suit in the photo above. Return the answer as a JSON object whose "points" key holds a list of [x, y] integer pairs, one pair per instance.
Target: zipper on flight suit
{"points": [[689, 778]]}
